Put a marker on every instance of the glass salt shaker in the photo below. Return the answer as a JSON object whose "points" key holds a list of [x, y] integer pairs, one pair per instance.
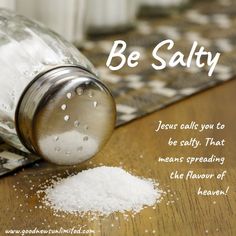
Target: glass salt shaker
{"points": [[51, 101], [64, 17], [110, 16]]}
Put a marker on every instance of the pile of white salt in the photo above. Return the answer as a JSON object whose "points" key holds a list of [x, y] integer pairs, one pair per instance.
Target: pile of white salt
{"points": [[102, 190]]}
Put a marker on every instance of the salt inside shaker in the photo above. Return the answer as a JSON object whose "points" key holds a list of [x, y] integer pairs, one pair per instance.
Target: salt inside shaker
{"points": [[51, 101]]}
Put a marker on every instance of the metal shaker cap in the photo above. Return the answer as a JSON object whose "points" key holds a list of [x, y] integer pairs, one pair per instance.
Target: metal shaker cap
{"points": [[66, 115]]}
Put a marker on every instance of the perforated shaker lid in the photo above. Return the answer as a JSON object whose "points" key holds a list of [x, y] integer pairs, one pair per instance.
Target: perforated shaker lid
{"points": [[66, 115]]}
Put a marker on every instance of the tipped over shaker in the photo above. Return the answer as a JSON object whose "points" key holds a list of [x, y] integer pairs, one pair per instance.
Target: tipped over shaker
{"points": [[51, 101]]}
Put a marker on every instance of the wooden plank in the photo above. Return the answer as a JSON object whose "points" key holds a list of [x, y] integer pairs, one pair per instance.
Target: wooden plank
{"points": [[190, 215]]}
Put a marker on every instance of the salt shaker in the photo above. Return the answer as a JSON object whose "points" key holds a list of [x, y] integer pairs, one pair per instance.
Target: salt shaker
{"points": [[110, 16], [63, 17], [51, 101]]}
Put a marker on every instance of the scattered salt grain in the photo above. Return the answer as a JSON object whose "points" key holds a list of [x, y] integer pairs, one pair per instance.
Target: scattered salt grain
{"points": [[102, 190]]}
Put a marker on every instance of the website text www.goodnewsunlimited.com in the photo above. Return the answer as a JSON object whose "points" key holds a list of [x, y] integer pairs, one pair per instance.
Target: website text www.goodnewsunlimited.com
{"points": [[72, 231]]}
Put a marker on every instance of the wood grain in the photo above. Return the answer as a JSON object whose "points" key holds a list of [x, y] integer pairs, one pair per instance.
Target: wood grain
{"points": [[137, 147]]}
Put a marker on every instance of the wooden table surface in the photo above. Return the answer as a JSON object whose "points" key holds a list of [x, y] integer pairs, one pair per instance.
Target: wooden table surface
{"points": [[137, 147]]}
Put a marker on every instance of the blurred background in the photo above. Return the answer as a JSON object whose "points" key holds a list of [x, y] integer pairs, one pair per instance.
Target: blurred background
{"points": [[75, 19]]}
